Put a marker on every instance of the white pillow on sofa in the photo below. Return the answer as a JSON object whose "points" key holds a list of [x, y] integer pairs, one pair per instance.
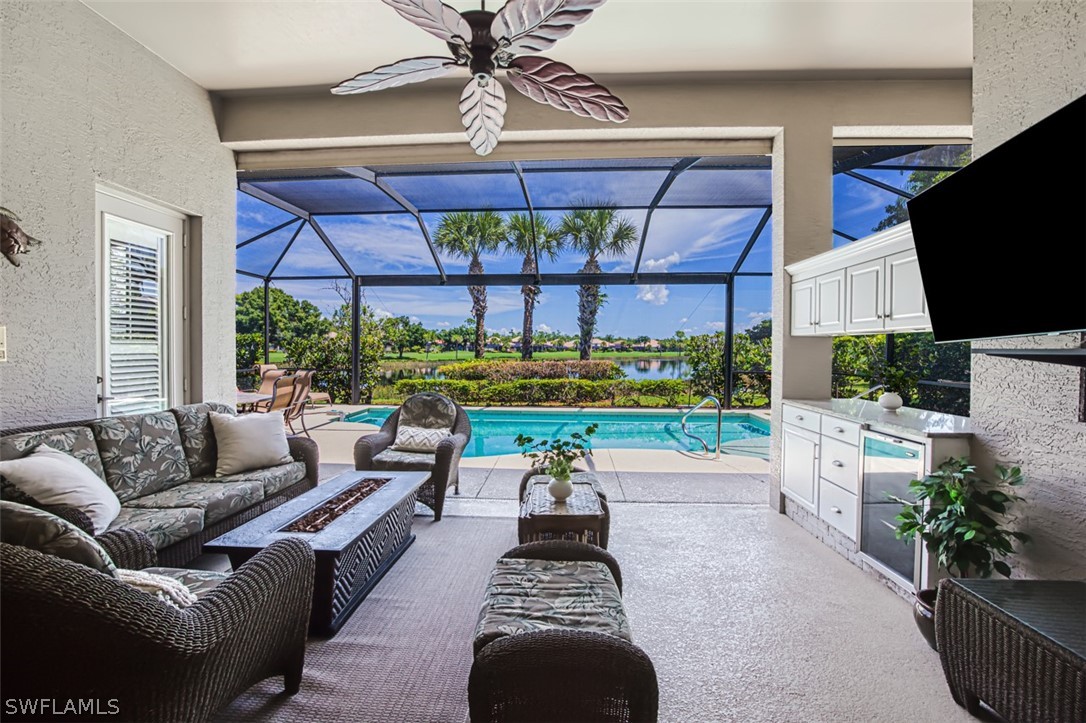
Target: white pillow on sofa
{"points": [[249, 441], [419, 439], [53, 477]]}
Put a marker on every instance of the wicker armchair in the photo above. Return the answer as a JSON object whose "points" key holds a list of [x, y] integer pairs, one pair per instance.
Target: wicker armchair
{"points": [[373, 451], [71, 632]]}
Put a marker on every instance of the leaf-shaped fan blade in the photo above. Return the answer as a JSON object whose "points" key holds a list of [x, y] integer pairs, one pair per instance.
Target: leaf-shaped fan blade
{"points": [[530, 26], [402, 72], [435, 17], [557, 84], [482, 108]]}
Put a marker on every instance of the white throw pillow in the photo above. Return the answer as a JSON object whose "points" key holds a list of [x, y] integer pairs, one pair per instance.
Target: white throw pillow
{"points": [[249, 441], [419, 439], [54, 478]]}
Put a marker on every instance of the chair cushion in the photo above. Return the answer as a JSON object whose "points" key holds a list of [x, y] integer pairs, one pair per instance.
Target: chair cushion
{"points": [[428, 409], [405, 461], [251, 441], [274, 479], [199, 582], [141, 453], [197, 436], [47, 533], [53, 477], [163, 526], [216, 499], [76, 441], [527, 595], [419, 439]]}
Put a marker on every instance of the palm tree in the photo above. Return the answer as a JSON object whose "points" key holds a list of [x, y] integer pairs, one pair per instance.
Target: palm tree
{"points": [[595, 232], [548, 239], [468, 235]]}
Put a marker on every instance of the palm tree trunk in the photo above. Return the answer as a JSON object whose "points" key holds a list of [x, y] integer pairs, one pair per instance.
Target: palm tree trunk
{"points": [[530, 292], [478, 309], [588, 306]]}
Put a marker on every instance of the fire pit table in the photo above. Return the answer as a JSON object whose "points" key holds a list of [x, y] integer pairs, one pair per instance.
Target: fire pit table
{"points": [[358, 524]]}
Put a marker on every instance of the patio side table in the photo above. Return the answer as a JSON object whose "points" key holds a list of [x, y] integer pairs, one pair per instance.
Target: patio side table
{"points": [[583, 516]]}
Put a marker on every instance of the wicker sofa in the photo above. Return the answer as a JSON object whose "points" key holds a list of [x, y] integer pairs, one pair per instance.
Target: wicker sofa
{"points": [[161, 465]]}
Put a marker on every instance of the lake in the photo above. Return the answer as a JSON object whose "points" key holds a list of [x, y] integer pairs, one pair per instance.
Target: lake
{"points": [[670, 368]]}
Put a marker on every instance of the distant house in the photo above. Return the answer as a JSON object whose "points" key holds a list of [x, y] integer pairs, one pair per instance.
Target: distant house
{"points": [[569, 344]]}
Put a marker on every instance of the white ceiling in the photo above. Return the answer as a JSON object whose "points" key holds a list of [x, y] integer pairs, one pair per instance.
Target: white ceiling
{"points": [[235, 44]]}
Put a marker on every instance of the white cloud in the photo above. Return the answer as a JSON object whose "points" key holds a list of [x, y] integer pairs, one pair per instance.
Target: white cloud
{"points": [[655, 294], [382, 313], [658, 265], [414, 319], [543, 328], [444, 324], [716, 325], [758, 315]]}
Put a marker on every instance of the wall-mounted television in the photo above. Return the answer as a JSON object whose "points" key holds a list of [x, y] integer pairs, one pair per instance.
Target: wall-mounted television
{"points": [[1002, 243]]}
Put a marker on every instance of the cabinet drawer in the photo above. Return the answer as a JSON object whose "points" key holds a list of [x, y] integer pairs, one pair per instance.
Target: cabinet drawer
{"points": [[837, 507], [840, 464], [834, 428], [800, 417]]}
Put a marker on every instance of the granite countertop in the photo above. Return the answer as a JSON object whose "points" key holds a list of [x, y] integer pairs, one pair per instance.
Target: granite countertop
{"points": [[907, 422]]}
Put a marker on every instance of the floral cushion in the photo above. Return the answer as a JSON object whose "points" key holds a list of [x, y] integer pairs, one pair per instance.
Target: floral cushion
{"points": [[41, 531], [428, 409], [528, 595], [197, 437], [76, 441], [274, 479], [393, 459], [199, 582], [163, 526], [216, 499], [141, 453]]}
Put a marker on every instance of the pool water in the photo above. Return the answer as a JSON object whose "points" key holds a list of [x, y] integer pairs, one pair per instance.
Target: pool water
{"points": [[494, 430]]}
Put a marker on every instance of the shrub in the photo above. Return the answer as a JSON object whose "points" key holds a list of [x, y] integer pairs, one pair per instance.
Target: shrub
{"points": [[250, 347], [512, 370], [546, 391]]}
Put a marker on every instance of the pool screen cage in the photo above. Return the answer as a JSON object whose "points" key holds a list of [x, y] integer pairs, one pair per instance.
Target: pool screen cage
{"points": [[320, 205]]}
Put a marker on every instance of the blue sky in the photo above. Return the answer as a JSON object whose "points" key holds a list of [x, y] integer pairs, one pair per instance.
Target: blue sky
{"points": [[678, 240]]}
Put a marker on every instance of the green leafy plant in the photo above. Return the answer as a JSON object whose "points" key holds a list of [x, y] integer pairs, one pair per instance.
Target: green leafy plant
{"points": [[962, 518], [557, 455]]}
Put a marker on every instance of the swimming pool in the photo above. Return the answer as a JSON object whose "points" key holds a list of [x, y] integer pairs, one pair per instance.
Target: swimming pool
{"points": [[493, 430]]}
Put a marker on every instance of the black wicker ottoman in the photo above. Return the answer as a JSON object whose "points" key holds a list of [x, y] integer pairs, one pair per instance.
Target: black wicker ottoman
{"points": [[1017, 645], [553, 643]]}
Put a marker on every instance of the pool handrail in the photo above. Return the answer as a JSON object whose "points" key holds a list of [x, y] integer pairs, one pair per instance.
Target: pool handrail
{"points": [[719, 422]]}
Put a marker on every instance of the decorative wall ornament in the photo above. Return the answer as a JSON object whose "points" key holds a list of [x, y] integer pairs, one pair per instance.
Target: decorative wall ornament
{"points": [[13, 240], [485, 42]]}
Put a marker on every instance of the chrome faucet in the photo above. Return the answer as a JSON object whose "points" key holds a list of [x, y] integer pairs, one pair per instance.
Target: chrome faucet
{"points": [[872, 389]]}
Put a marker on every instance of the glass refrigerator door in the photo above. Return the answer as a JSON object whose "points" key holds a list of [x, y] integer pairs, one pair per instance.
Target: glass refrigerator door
{"points": [[889, 465]]}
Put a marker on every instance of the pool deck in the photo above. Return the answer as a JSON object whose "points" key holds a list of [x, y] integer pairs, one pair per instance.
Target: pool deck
{"points": [[489, 484]]}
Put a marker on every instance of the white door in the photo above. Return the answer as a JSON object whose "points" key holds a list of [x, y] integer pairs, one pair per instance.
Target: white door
{"points": [[799, 466], [830, 303], [803, 308], [905, 307], [140, 305], [864, 296]]}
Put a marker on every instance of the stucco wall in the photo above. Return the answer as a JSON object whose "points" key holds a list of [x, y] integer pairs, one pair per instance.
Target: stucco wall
{"points": [[1030, 60], [80, 103]]}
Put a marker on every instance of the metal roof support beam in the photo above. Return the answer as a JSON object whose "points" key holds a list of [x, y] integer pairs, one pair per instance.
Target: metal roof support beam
{"points": [[678, 278], [274, 200], [286, 248], [567, 207], [847, 237], [531, 215], [367, 175], [879, 184], [677, 169], [250, 274], [269, 232], [753, 239], [330, 246]]}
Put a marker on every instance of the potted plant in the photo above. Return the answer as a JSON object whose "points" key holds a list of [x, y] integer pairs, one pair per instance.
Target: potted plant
{"points": [[557, 456], [962, 519]]}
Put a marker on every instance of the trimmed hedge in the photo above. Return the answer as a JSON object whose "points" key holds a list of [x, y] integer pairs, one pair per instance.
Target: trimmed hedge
{"points": [[545, 391], [511, 370]]}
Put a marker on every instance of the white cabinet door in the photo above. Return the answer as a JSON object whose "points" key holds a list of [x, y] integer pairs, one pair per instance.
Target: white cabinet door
{"points": [[865, 290], [904, 303], [830, 303], [799, 466], [803, 308]]}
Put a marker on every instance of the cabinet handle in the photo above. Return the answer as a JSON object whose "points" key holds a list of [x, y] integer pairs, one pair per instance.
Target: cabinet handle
{"points": [[838, 463], [839, 430], [910, 454], [835, 509], [799, 417]]}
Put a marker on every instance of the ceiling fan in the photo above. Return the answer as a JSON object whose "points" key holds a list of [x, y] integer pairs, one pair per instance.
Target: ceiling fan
{"points": [[485, 42]]}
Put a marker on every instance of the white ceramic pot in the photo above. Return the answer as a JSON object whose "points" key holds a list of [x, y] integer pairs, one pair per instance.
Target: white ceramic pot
{"points": [[560, 489], [890, 401]]}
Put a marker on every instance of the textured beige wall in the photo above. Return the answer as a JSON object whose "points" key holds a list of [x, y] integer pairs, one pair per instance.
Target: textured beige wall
{"points": [[81, 103], [1029, 60]]}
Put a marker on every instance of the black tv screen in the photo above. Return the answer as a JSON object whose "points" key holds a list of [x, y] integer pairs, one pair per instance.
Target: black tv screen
{"points": [[1001, 244]]}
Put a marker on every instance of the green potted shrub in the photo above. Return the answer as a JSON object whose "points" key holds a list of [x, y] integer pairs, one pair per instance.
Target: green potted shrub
{"points": [[962, 520], [557, 456]]}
